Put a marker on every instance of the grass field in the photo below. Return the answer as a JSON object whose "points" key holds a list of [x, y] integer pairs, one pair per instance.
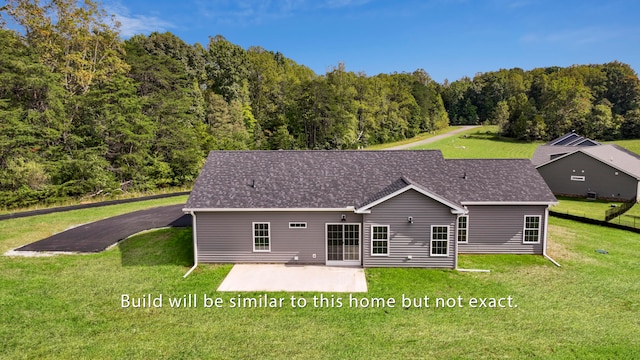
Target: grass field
{"points": [[413, 139], [70, 306], [630, 218], [633, 145], [96, 199], [593, 209], [482, 142], [18, 232]]}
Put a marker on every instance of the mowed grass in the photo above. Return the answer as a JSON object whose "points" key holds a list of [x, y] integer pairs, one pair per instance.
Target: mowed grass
{"points": [[71, 306], [96, 199], [593, 209], [482, 142], [419, 137], [630, 218], [485, 142], [18, 232], [633, 145]]}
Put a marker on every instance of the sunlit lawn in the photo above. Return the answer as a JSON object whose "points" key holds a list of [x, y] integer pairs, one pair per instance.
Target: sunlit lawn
{"points": [[413, 139], [70, 306], [482, 142], [593, 209]]}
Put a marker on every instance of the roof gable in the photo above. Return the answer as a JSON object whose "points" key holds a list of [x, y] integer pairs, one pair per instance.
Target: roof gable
{"points": [[408, 185], [609, 154]]}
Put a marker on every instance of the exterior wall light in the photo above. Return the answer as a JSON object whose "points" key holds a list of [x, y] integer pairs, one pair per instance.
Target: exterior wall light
{"points": [[410, 219]]}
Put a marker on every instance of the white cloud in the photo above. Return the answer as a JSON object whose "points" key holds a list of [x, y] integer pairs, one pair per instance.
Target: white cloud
{"points": [[131, 24], [260, 11]]}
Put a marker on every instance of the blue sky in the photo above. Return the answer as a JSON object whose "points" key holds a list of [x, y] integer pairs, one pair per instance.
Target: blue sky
{"points": [[447, 38]]}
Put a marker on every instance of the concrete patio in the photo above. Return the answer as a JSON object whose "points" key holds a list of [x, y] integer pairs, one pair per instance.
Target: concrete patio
{"points": [[280, 277]]}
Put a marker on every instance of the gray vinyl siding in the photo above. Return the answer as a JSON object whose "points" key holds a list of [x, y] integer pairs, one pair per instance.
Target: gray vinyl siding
{"points": [[599, 177], [499, 230], [409, 239], [227, 237]]}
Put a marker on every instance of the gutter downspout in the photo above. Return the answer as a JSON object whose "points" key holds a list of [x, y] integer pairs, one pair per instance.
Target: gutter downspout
{"points": [[455, 240], [195, 244], [544, 247]]}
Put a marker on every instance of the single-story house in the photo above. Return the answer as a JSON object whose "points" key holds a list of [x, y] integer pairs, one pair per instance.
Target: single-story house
{"points": [[365, 208], [604, 171]]}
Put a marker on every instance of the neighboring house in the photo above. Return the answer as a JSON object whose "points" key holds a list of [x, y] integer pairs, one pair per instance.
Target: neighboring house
{"points": [[365, 208], [594, 170]]}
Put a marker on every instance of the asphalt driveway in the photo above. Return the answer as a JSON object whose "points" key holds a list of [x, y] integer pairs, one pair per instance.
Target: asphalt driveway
{"points": [[97, 236]]}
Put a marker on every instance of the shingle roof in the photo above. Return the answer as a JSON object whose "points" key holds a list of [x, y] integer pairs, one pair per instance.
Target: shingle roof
{"points": [[617, 157], [339, 179], [610, 154], [498, 180], [544, 153]]}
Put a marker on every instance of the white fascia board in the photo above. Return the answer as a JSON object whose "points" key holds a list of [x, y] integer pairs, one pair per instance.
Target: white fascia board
{"points": [[345, 209], [548, 203], [426, 193]]}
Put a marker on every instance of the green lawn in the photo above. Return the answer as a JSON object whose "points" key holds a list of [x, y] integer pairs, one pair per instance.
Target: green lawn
{"points": [[70, 306], [419, 137], [482, 142], [95, 199], [593, 209], [629, 218], [22, 231], [633, 145]]}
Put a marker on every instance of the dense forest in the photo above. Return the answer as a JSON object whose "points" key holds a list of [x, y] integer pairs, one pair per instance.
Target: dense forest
{"points": [[83, 112]]}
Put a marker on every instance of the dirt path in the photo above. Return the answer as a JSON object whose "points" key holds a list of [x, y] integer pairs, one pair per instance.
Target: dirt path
{"points": [[432, 139]]}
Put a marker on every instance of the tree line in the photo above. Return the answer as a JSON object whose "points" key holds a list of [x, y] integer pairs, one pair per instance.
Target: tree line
{"points": [[83, 112], [597, 101]]}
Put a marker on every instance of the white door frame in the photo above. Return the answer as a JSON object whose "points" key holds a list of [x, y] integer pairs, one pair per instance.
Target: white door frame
{"points": [[357, 262]]}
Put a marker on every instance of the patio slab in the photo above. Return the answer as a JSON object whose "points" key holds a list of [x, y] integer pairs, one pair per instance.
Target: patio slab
{"points": [[280, 277]]}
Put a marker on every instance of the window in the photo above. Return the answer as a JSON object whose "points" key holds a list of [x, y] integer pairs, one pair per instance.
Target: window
{"points": [[532, 228], [577, 178], [439, 240], [380, 240], [463, 226], [261, 237], [297, 225]]}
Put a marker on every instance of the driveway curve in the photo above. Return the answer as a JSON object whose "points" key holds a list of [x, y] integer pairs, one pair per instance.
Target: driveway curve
{"points": [[99, 235], [432, 139]]}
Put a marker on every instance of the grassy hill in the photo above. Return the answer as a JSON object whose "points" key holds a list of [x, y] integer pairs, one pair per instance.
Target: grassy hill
{"points": [[484, 142], [70, 306]]}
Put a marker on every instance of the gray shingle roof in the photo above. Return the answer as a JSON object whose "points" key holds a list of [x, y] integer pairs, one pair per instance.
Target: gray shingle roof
{"points": [[610, 154], [499, 180], [339, 179], [615, 156], [544, 153]]}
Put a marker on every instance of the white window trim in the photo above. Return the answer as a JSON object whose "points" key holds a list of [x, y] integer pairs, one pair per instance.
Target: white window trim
{"points": [[431, 240], [387, 240], [253, 235], [458, 229], [297, 225], [524, 229]]}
